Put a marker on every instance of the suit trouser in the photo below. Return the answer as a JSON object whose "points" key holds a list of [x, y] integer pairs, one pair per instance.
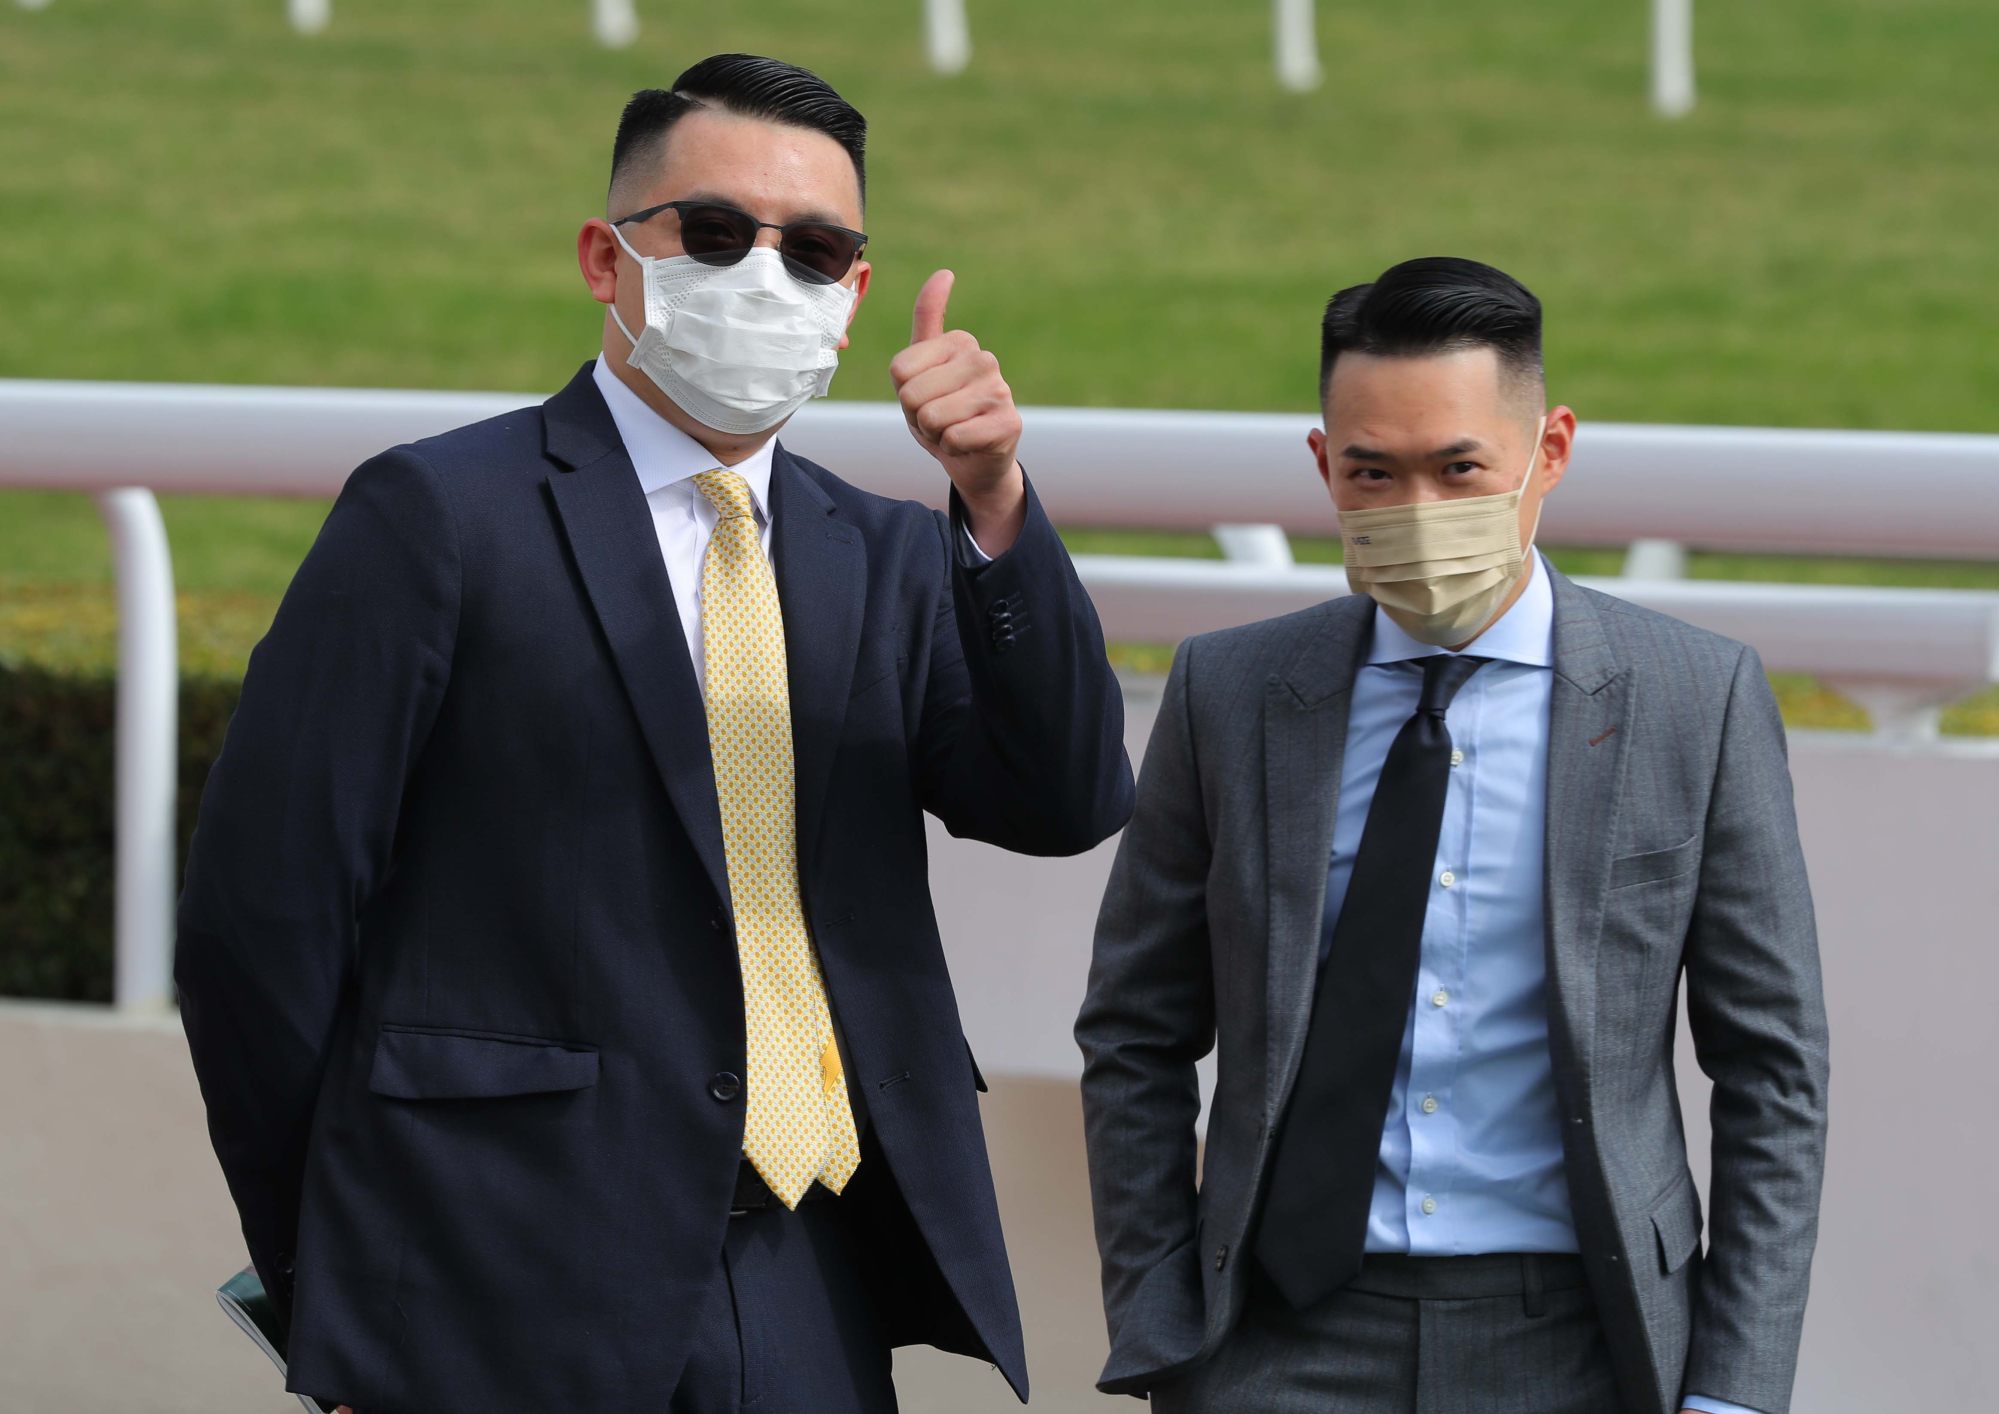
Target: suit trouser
{"points": [[1502, 1334], [789, 1326]]}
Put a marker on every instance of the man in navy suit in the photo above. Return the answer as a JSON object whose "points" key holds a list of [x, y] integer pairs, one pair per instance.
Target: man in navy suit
{"points": [[556, 950]]}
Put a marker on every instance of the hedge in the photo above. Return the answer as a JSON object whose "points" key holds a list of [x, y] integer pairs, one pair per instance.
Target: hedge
{"points": [[58, 707]]}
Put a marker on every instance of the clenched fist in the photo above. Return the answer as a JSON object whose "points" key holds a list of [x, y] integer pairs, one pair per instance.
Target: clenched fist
{"points": [[961, 410]]}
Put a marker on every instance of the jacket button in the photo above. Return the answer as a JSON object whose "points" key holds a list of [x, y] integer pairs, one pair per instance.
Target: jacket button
{"points": [[715, 921], [1221, 1256], [725, 1087]]}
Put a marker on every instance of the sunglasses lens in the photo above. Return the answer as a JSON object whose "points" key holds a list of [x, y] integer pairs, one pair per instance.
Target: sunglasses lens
{"points": [[818, 255], [716, 235]]}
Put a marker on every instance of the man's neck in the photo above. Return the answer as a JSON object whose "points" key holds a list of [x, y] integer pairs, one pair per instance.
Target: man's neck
{"points": [[728, 448]]}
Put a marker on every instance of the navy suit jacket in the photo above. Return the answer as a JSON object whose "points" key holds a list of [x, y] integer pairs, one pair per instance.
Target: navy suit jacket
{"points": [[456, 960]]}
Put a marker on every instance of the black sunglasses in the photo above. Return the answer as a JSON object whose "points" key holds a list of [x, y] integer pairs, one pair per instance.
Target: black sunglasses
{"points": [[815, 252]]}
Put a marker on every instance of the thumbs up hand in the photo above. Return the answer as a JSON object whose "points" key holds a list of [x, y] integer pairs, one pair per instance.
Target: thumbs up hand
{"points": [[961, 411]]}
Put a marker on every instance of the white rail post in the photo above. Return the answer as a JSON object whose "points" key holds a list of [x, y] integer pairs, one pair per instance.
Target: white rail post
{"points": [[310, 16], [1655, 559], [1264, 545], [1296, 33], [1672, 57], [147, 753], [947, 37], [34, 4], [614, 22]]}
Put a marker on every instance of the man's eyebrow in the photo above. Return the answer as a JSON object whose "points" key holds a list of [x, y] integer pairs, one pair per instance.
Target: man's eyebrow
{"points": [[1356, 452]]}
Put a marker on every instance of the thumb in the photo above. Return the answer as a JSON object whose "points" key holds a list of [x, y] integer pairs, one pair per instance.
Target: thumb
{"points": [[928, 321]]}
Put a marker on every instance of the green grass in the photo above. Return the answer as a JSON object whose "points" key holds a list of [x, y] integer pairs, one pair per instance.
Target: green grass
{"points": [[1137, 215]]}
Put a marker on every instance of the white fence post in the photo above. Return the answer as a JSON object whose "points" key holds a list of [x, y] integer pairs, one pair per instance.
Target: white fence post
{"points": [[147, 753], [1672, 57], [947, 37], [614, 22], [310, 16], [1263, 545], [1296, 34], [1655, 559], [33, 4]]}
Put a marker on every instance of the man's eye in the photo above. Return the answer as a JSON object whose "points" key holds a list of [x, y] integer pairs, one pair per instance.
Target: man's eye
{"points": [[1369, 473], [1465, 468]]}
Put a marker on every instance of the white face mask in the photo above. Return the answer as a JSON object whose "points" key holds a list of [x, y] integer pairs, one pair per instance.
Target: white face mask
{"points": [[741, 347], [1440, 568]]}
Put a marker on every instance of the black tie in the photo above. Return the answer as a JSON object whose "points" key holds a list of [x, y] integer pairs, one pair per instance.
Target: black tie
{"points": [[1314, 1224]]}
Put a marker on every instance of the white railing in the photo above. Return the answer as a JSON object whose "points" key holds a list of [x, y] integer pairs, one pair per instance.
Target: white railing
{"points": [[1902, 653]]}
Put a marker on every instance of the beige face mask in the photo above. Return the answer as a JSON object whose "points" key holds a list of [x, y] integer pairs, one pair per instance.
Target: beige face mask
{"points": [[1440, 568]]}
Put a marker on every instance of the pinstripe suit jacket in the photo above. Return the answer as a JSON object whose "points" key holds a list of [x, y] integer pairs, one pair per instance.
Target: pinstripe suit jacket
{"points": [[1672, 851]]}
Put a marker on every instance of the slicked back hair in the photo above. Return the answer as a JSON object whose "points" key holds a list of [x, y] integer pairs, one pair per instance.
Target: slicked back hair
{"points": [[1439, 304], [745, 84]]}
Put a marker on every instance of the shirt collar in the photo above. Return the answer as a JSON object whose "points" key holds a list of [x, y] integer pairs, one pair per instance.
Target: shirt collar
{"points": [[663, 455], [1524, 634]]}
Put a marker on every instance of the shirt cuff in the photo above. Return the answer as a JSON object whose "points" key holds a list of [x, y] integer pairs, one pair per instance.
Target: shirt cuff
{"points": [[1714, 1406], [982, 557]]}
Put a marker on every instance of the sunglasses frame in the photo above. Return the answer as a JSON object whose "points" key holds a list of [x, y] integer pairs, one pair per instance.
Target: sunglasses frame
{"points": [[792, 265]]}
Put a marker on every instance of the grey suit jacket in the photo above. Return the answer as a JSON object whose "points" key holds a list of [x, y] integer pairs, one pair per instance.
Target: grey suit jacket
{"points": [[1672, 848]]}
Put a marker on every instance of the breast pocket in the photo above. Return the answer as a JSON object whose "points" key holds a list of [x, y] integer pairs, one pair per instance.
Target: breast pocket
{"points": [[1656, 864]]}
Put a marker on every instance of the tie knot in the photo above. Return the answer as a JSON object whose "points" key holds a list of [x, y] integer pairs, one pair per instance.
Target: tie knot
{"points": [[1443, 675], [727, 491]]}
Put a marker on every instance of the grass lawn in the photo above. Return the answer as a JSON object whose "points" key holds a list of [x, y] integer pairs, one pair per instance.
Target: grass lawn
{"points": [[1137, 215]]}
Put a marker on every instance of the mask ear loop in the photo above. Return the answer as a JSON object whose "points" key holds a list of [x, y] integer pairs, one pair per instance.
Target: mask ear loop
{"points": [[1540, 431], [640, 260]]}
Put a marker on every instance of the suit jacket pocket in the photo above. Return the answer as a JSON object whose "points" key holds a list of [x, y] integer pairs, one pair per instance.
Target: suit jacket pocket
{"points": [[1676, 1219], [414, 1063], [1654, 864]]}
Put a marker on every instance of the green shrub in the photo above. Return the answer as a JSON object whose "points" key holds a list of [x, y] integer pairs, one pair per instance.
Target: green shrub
{"points": [[58, 708]]}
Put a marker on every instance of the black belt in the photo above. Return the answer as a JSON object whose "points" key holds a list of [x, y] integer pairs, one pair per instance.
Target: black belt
{"points": [[1529, 1275], [754, 1195]]}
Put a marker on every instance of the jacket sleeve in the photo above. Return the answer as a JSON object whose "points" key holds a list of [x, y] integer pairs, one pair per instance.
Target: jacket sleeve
{"points": [[1021, 742], [297, 827], [1757, 1016], [1147, 1017]]}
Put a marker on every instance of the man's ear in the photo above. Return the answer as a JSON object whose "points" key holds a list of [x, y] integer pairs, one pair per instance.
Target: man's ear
{"points": [[863, 274], [1316, 440], [597, 254], [1558, 444]]}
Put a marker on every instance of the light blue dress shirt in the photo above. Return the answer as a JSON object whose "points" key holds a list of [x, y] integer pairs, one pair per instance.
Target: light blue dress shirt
{"points": [[1471, 1150]]}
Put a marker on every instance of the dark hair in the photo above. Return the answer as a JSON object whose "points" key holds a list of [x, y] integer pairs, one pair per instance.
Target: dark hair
{"points": [[751, 86], [1438, 304]]}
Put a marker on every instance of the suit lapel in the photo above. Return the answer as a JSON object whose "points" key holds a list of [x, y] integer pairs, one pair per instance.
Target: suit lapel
{"points": [[1304, 745], [822, 570], [604, 515], [1588, 735]]}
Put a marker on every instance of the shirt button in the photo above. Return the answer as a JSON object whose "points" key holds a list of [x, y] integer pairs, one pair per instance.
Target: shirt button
{"points": [[1429, 1206], [1429, 1104], [1440, 997], [1457, 758], [1448, 879]]}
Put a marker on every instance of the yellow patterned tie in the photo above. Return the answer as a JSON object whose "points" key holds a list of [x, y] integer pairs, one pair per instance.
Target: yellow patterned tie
{"points": [[800, 1126]]}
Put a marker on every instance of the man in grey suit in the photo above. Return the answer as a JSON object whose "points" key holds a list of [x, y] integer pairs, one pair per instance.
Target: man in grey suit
{"points": [[1427, 864]]}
